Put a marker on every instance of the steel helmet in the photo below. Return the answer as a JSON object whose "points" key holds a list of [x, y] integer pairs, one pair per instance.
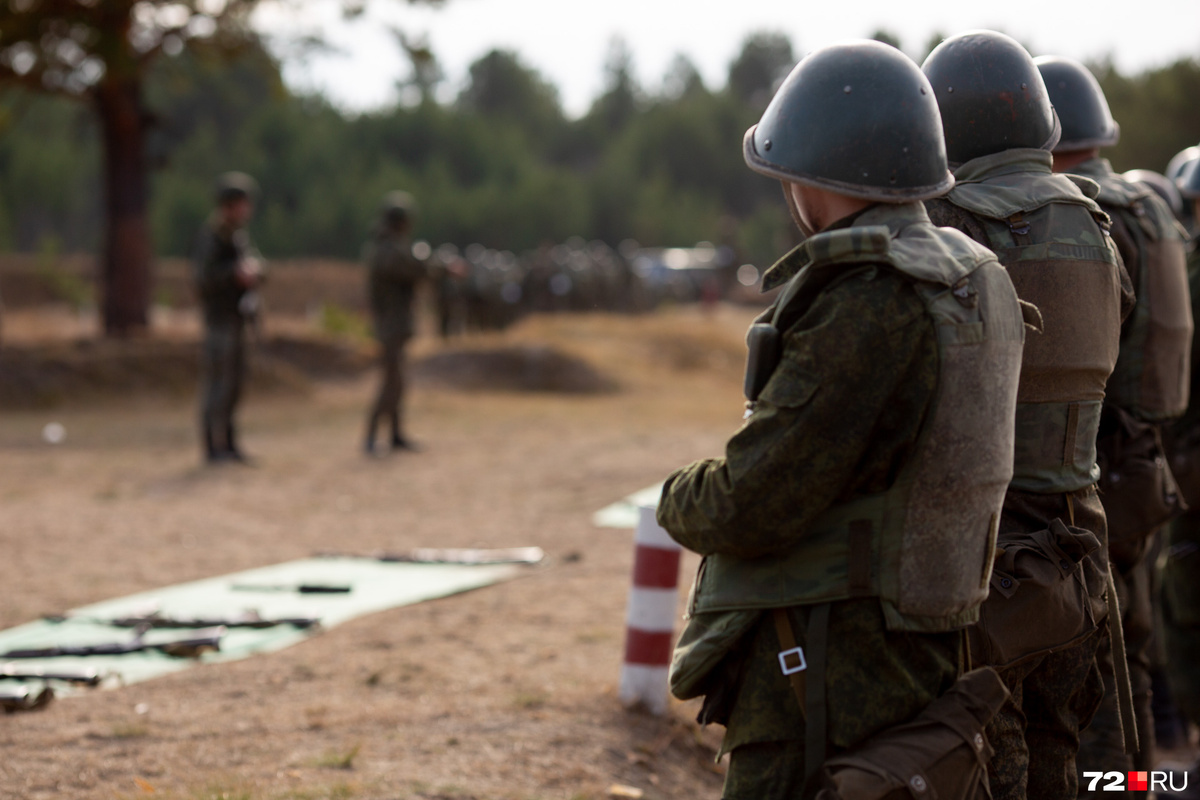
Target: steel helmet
{"points": [[991, 96], [857, 118], [1080, 103]]}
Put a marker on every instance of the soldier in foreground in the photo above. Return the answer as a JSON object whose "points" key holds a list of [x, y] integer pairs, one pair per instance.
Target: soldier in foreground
{"points": [[1148, 388], [847, 530], [228, 272], [393, 273], [1051, 236]]}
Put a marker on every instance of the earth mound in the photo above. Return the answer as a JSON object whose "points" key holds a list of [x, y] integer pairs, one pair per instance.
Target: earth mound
{"points": [[513, 368]]}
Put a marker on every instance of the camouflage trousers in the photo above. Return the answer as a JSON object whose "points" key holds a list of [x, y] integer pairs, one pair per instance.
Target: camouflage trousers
{"points": [[875, 678], [388, 404], [1054, 696], [224, 371], [1101, 746]]}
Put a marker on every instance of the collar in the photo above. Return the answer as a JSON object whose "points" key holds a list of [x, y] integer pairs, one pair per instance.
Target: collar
{"points": [[1007, 162], [1094, 168], [896, 216]]}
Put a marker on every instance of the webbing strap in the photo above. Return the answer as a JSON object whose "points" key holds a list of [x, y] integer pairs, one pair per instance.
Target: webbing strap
{"points": [[814, 744], [1019, 227], [787, 644], [1116, 635]]}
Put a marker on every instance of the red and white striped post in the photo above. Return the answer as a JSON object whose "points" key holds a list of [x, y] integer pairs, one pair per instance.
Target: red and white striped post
{"points": [[650, 619]]}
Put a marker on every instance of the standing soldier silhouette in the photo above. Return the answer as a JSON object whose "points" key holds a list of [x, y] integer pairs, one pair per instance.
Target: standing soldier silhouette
{"points": [[1043, 620], [1148, 388], [393, 273], [228, 272]]}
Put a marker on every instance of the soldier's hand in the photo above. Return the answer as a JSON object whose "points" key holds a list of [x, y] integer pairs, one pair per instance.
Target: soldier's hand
{"points": [[249, 272]]}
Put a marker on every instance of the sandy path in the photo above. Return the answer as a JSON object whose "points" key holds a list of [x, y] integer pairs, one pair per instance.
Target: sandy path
{"points": [[507, 692]]}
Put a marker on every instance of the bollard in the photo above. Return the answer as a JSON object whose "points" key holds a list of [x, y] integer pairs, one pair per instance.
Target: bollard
{"points": [[650, 619]]}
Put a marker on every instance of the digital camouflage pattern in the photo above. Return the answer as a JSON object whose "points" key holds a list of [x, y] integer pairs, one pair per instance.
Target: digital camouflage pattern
{"points": [[939, 515], [830, 426], [875, 678]]}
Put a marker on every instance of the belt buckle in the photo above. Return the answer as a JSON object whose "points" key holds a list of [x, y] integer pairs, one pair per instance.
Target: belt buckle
{"points": [[783, 664]]}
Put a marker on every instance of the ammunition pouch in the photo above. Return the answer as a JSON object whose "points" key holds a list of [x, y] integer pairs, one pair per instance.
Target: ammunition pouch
{"points": [[702, 647], [1045, 594], [942, 753], [764, 343], [1136, 485]]}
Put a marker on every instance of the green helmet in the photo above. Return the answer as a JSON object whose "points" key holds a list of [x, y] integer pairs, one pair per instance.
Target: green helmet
{"points": [[1180, 161], [397, 207], [235, 186], [1080, 103], [1188, 181], [991, 96], [1161, 186], [856, 118]]}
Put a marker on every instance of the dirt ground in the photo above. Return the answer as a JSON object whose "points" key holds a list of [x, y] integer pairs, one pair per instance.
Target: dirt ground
{"points": [[505, 692]]}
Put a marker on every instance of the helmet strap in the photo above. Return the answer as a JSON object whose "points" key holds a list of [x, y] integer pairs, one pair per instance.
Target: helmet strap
{"points": [[794, 211]]}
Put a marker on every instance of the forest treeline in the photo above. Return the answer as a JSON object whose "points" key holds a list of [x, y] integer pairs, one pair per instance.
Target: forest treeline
{"points": [[501, 164]]}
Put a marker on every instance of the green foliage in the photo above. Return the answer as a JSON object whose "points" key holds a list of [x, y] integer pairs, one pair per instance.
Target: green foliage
{"points": [[501, 165], [63, 285], [335, 759]]}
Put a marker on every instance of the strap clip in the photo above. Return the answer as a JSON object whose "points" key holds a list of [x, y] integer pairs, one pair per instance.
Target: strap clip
{"points": [[792, 670]]}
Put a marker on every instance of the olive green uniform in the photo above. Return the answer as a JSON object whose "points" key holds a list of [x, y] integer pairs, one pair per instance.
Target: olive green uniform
{"points": [[1035, 214], [838, 421], [393, 273], [227, 307], [1149, 241]]}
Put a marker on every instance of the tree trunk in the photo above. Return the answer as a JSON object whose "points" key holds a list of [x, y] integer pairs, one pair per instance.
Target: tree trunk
{"points": [[125, 274]]}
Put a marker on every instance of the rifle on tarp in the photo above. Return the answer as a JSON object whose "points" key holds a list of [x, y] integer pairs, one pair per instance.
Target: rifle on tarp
{"points": [[205, 641], [87, 677], [248, 619], [466, 556]]}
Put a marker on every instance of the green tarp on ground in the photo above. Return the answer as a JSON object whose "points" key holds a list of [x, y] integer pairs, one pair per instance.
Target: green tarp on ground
{"points": [[624, 513], [375, 586]]}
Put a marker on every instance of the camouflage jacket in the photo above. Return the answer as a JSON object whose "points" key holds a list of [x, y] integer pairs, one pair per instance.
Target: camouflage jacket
{"points": [[215, 260], [842, 427], [392, 276]]}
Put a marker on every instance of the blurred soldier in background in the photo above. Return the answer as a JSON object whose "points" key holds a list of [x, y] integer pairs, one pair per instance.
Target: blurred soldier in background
{"points": [[228, 272], [1148, 388], [1181, 567], [1052, 237], [393, 272], [847, 530]]}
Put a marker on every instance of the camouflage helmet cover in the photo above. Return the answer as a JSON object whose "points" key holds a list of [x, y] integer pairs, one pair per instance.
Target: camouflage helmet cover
{"points": [[235, 186], [991, 96], [857, 118], [1080, 104]]}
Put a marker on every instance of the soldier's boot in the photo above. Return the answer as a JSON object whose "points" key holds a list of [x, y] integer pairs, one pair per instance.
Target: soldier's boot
{"points": [[211, 453], [232, 451], [399, 440]]}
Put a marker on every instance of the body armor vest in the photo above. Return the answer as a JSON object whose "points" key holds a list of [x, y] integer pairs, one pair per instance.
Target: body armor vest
{"points": [[1152, 375], [1051, 238], [924, 546]]}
